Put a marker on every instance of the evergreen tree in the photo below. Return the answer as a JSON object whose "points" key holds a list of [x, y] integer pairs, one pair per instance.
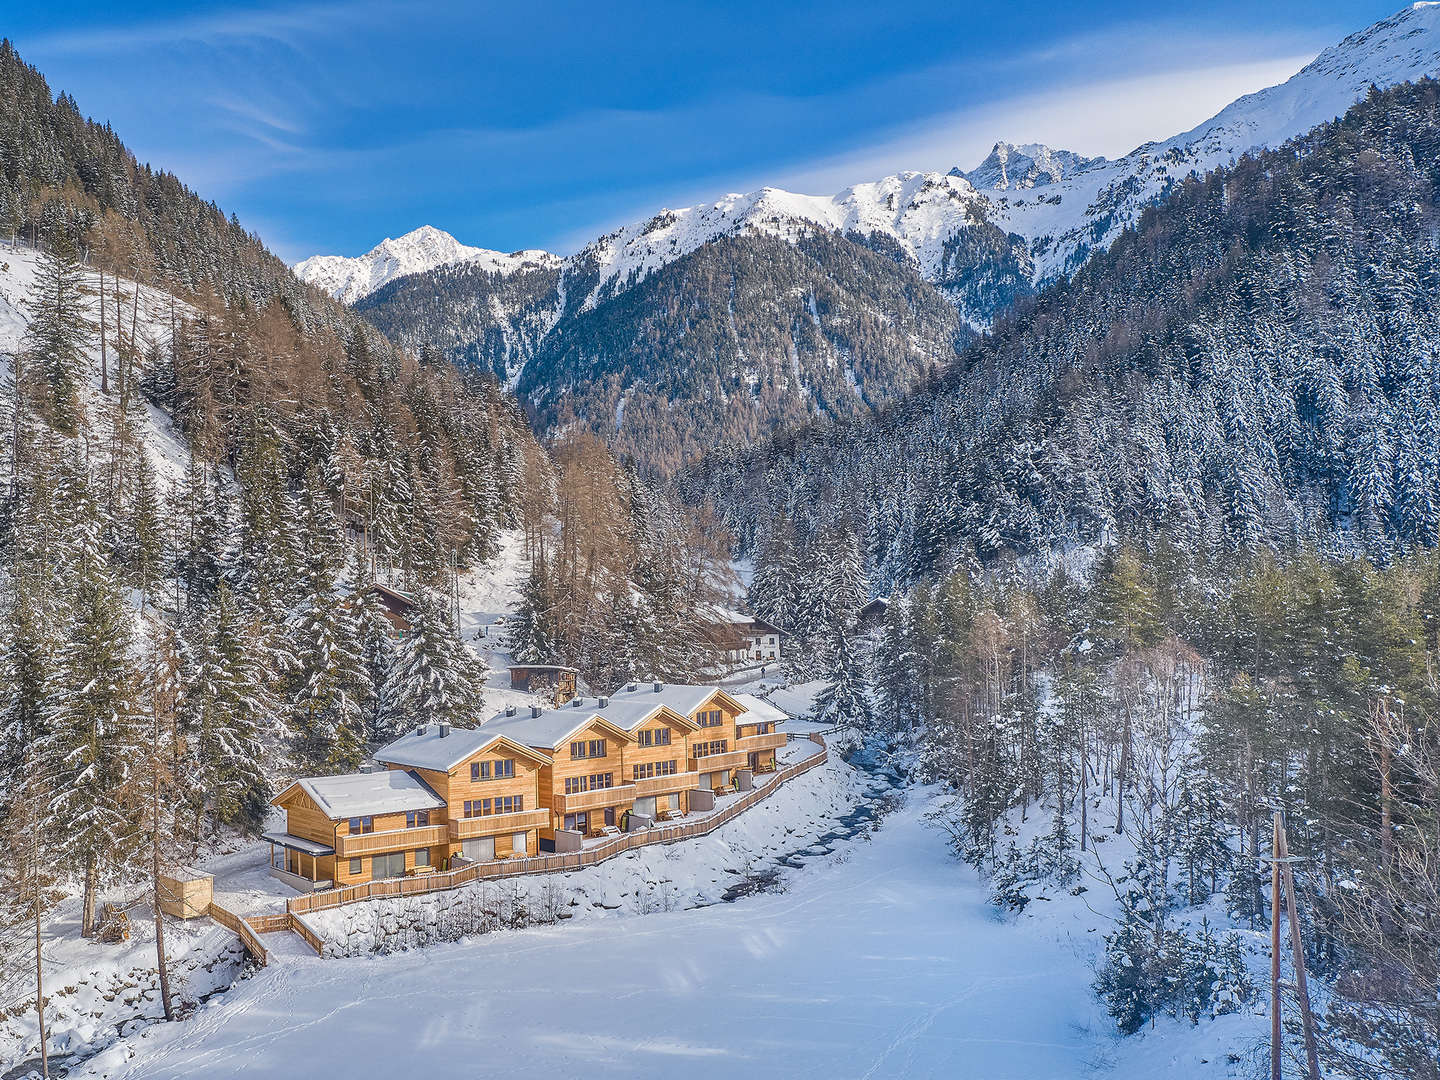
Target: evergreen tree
{"points": [[844, 701], [436, 678], [56, 336]]}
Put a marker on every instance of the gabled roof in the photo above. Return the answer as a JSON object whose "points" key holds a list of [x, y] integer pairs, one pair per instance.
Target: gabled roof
{"points": [[679, 697], [553, 728], [759, 711], [426, 748], [385, 791]]}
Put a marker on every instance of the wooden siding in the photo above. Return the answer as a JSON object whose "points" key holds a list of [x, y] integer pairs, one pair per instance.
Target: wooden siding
{"points": [[552, 777], [469, 828], [377, 843]]}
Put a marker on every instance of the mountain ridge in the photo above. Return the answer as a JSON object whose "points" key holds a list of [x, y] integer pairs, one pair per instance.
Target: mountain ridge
{"points": [[416, 252]]}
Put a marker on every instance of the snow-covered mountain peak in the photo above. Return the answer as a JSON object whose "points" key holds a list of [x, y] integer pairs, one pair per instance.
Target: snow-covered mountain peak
{"points": [[1027, 165], [417, 251]]}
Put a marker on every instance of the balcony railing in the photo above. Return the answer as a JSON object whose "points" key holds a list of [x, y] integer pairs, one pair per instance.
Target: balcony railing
{"points": [[465, 828], [715, 762], [594, 799], [348, 846], [664, 785], [750, 743]]}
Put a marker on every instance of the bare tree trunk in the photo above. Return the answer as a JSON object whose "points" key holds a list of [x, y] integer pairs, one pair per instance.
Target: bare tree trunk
{"points": [[38, 900], [87, 905], [104, 360]]}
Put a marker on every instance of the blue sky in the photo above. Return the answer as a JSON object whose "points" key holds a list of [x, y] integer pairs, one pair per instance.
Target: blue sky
{"points": [[328, 126]]}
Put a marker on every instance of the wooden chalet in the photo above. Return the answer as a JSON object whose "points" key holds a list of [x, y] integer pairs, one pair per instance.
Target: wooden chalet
{"points": [[398, 607], [524, 782], [445, 793], [650, 753]]}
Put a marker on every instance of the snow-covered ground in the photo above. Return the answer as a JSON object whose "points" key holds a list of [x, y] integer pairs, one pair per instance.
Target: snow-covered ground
{"points": [[98, 993], [881, 960]]}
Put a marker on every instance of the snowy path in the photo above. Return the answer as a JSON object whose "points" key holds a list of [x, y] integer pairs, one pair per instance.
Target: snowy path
{"points": [[887, 963]]}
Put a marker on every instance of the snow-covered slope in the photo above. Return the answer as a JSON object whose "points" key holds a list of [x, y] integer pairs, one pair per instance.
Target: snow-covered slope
{"points": [[423, 249], [19, 268]]}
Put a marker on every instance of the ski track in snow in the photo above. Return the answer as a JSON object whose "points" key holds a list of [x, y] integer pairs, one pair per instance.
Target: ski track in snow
{"points": [[886, 963]]}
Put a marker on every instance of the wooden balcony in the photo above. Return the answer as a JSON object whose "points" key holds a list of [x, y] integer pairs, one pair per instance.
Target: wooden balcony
{"points": [[466, 828], [664, 785], [714, 762], [348, 846], [750, 743], [594, 799]]}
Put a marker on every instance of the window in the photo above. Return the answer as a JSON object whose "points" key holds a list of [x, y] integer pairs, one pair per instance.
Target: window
{"points": [[577, 822], [417, 819], [479, 770], [360, 825], [576, 784], [504, 804], [710, 718], [601, 780], [356, 867], [422, 856], [655, 737], [504, 768], [644, 772], [666, 768], [499, 769], [705, 749]]}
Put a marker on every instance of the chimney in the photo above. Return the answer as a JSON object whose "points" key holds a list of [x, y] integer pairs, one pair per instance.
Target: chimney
{"points": [[534, 711], [604, 701], [633, 687], [444, 730], [509, 710], [366, 767], [658, 686], [577, 702], [420, 729]]}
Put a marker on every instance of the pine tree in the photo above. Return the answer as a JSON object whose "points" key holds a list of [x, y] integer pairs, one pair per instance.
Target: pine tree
{"points": [[55, 339], [228, 714], [436, 678], [844, 701], [329, 685], [89, 721]]}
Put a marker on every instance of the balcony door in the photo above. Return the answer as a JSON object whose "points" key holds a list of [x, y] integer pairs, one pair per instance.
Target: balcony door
{"points": [[391, 865], [481, 849]]}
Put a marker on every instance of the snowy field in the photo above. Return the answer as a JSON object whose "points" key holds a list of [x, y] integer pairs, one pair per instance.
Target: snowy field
{"points": [[881, 960]]}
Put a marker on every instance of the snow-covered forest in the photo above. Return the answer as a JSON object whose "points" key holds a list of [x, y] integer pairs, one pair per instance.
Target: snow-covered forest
{"points": [[1083, 598]]}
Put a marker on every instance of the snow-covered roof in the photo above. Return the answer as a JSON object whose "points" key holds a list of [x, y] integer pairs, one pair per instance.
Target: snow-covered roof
{"points": [[683, 699], [385, 791], [759, 711], [553, 727], [426, 748], [296, 843]]}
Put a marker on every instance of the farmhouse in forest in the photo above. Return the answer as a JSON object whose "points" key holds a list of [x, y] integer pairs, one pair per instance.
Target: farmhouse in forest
{"points": [[397, 607], [745, 640], [525, 782]]}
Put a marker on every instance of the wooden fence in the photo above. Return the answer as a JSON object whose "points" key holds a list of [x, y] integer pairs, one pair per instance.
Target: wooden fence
{"points": [[545, 864], [248, 936]]}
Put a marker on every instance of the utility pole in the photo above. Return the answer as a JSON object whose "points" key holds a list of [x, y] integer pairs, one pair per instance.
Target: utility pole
{"points": [[1281, 876]]}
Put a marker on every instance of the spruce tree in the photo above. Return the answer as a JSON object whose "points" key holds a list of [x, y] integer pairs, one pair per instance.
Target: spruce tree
{"points": [[436, 678]]}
